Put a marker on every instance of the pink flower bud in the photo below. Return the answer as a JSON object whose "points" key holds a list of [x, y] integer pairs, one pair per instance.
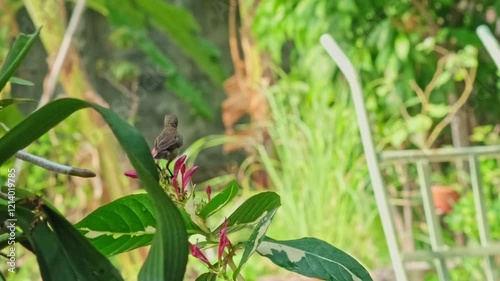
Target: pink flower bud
{"points": [[178, 163], [186, 177], [208, 191], [196, 252], [223, 240], [131, 174]]}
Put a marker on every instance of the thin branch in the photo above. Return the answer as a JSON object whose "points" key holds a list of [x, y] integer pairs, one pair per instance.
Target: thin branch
{"points": [[402, 109], [404, 112], [54, 167], [425, 95], [63, 51], [469, 83], [421, 95], [441, 50], [49, 165], [437, 73]]}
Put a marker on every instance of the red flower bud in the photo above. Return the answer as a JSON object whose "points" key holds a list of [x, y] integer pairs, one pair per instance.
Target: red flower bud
{"points": [[178, 165], [196, 252], [131, 174], [223, 240], [186, 177], [208, 191]]}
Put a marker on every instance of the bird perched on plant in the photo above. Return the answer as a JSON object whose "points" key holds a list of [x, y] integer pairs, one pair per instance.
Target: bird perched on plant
{"points": [[167, 144]]}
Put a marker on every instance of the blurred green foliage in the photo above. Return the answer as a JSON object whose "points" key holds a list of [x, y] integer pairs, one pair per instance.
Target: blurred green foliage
{"points": [[132, 21], [392, 42], [394, 45]]}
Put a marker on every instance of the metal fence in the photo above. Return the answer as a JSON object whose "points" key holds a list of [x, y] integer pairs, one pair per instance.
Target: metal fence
{"points": [[438, 252]]}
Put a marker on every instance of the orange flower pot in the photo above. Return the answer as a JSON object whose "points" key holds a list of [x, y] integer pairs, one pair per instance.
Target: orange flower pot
{"points": [[444, 198]]}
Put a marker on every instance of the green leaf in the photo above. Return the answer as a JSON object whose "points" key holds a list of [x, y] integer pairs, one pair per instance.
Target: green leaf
{"points": [[426, 46], [402, 47], [49, 251], [464, 36], [191, 227], [313, 258], [125, 224], [438, 110], [398, 137], [16, 54], [85, 259], [20, 81], [6, 102], [443, 78], [170, 245], [255, 239], [419, 123], [220, 200], [208, 276], [481, 133], [122, 225], [62, 252], [251, 210]]}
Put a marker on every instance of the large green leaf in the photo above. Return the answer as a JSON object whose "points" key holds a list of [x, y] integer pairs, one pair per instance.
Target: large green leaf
{"points": [[255, 239], [49, 252], [86, 261], [168, 255], [122, 225], [251, 210], [16, 54], [62, 252], [125, 224], [314, 258], [220, 200]]}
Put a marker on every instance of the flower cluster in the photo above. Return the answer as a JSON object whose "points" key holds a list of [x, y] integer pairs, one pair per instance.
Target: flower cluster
{"points": [[180, 182], [223, 244], [185, 176], [180, 174]]}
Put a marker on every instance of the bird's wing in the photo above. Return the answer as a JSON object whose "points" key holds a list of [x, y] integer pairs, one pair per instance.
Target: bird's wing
{"points": [[163, 144]]}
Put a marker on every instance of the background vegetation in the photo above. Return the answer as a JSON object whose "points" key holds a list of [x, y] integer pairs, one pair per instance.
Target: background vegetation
{"points": [[257, 71]]}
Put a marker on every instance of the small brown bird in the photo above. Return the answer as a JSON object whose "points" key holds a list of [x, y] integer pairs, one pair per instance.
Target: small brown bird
{"points": [[167, 144]]}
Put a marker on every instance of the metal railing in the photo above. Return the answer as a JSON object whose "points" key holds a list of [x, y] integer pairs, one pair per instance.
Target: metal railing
{"points": [[439, 252]]}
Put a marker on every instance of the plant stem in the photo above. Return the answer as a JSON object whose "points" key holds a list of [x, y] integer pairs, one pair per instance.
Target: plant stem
{"points": [[233, 266]]}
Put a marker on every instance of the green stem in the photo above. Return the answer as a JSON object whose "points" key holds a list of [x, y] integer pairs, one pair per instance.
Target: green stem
{"points": [[233, 266]]}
